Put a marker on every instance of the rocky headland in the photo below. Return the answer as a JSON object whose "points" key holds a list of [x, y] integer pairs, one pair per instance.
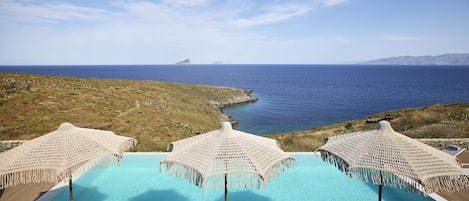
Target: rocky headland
{"points": [[243, 99]]}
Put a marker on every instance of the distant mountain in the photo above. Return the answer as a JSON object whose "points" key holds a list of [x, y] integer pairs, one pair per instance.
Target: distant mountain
{"points": [[444, 59], [187, 61]]}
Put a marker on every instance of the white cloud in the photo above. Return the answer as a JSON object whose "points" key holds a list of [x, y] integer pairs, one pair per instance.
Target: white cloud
{"points": [[394, 37], [341, 39], [314, 40], [281, 12], [334, 2], [142, 10], [28, 12], [275, 14], [187, 2]]}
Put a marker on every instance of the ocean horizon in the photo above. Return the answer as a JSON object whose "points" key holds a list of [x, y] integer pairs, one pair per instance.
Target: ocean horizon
{"points": [[296, 97]]}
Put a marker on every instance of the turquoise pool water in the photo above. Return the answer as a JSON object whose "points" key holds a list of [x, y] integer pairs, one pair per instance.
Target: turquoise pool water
{"points": [[138, 178]]}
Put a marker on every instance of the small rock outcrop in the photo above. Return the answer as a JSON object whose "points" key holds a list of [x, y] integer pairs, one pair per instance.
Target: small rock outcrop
{"points": [[187, 61]]}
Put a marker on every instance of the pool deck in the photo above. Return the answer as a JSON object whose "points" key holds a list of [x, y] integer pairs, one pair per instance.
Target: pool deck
{"points": [[25, 191], [47, 191]]}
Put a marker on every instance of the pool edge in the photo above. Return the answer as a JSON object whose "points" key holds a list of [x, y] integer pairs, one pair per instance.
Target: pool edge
{"points": [[54, 191]]}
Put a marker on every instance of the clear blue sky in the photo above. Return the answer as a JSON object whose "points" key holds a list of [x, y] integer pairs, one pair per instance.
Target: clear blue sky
{"points": [[236, 31]]}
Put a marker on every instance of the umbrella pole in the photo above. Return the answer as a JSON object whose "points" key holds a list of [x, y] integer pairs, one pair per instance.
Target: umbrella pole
{"points": [[380, 191], [226, 187], [70, 187]]}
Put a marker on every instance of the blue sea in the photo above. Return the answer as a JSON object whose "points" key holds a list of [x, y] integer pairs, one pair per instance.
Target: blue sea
{"points": [[298, 97]]}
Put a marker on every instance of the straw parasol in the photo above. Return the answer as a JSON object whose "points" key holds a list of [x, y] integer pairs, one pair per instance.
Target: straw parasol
{"points": [[58, 155], [389, 158], [227, 158]]}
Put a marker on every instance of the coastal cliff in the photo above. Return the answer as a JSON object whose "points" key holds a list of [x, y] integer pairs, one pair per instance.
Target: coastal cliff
{"points": [[154, 113]]}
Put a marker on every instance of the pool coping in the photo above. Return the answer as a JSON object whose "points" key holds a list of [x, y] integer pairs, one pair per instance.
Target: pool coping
{"points": [[54, 191]]}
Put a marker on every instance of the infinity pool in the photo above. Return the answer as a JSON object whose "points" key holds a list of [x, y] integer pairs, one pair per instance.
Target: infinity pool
{"points": [[138, 178]]}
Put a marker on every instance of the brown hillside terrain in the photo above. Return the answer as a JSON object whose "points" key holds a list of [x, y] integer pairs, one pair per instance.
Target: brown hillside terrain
{"points": [[154, 113], [440, 121]]}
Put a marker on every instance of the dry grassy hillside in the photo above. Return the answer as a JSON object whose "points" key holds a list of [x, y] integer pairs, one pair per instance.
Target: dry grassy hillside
{"points": [[154, 113], [436, 121]]}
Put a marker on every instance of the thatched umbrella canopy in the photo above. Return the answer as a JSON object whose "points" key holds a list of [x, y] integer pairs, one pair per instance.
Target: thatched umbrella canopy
{"points": [[389, 158], [60, 154], [227, 158]]}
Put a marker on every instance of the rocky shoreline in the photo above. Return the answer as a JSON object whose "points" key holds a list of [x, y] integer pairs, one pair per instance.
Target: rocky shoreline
{"points": [[245, 98]]}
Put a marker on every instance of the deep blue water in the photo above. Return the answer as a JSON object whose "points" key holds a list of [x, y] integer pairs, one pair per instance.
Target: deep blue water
{"points": [[299, 97]]}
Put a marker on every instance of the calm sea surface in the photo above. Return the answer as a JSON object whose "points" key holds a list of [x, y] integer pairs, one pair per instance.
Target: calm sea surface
{"points": [[298, 97]]}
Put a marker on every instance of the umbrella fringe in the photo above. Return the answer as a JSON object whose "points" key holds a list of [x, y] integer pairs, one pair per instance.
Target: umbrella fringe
{"points": [[129, 144], [51, 175], [27, 176], [334, 160], [448, 183], [184, 172], [278, 168], [367, 174], [79, 169], [235, 179], [435, 184], [388, 179]]}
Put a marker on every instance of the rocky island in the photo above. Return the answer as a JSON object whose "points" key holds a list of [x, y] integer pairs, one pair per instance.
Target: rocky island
{"points": [[186, 61]]}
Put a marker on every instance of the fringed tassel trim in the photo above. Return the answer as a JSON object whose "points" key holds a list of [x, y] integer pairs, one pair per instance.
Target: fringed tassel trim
{"points": [[129, 144], [449, 183], [235, 180], [278, 168], [80, 168], [181, 171], [27, 176], [53, 175], [334, 160], [379, 177]]}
